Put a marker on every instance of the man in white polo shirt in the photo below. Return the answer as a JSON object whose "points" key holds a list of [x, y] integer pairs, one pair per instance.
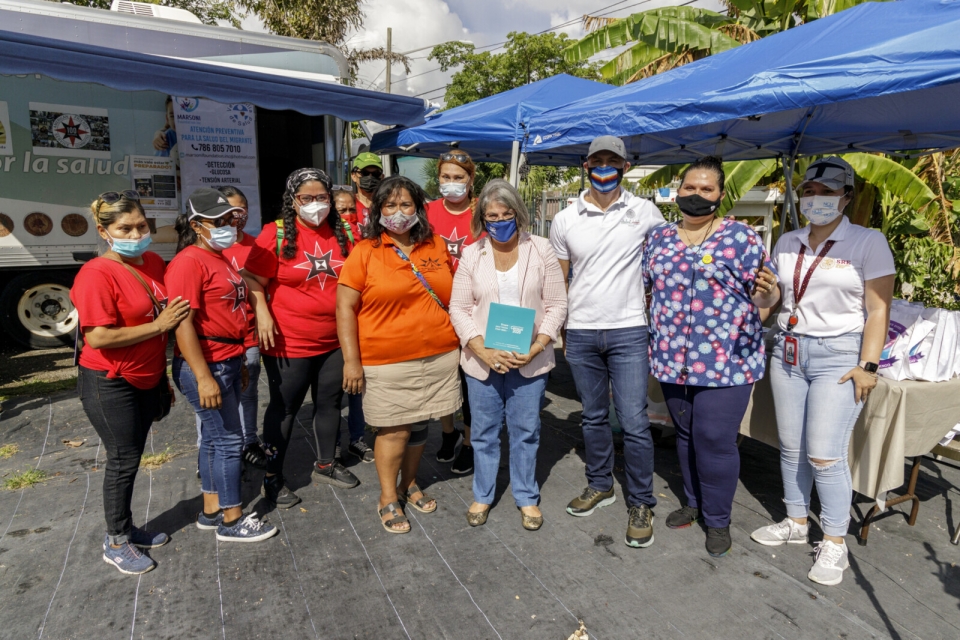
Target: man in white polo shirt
{"points": [[601, 237]]}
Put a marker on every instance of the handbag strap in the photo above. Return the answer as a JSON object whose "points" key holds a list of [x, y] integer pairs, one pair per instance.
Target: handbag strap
{"points": [[420, 277], [156, 304]]}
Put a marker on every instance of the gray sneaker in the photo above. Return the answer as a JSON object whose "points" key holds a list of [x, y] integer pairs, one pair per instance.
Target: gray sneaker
{"points": [[831, 560], [589, 501], [785, 532]]}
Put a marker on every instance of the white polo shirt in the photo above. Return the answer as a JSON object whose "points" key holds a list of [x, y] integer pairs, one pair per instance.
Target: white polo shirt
{"points": [[833, 303], [604, 250]]}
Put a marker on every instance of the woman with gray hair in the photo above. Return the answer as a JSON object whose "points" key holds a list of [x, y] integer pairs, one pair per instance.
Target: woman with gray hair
{"points": [[508, 267]]}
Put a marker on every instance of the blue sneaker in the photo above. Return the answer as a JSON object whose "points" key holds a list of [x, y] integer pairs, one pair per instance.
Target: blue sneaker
{"points": [[205, 523], [128, 559], [148, 539], [248, 529]]}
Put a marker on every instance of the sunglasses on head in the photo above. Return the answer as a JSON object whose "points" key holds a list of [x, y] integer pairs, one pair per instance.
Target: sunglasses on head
{"points": [[109, 197], [459, 156], [343, 187]]}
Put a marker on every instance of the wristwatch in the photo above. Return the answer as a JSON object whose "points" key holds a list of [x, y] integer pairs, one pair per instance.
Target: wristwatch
{"points": [[869, 367]]}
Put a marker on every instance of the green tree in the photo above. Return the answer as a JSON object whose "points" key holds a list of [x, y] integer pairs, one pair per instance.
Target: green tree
{"points": [[208, 11], [526, 58]]}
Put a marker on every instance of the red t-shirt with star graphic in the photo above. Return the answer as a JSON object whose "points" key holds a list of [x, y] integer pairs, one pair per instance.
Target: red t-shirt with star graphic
{"points": [[237, 255], [107, 295], [454, 228], [218, 295], [302, 292]]}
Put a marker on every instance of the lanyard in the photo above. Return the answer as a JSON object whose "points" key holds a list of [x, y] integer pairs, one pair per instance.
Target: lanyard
{"points": [[420, 277], [346, 227], [801, 288]]}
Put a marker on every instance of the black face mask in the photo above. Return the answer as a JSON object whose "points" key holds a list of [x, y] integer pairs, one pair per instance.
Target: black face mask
{"points": [[697, 206], [370, 183]]}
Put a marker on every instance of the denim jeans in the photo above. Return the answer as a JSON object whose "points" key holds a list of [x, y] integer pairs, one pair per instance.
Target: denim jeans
{"points": [[815, 417], [221, 442], [121, 414], [708, 422], [248, 399], [520, 399], [599, 359]]}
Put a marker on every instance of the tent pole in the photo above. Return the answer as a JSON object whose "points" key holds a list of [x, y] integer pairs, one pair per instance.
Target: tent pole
{"points": [[515, 163]]}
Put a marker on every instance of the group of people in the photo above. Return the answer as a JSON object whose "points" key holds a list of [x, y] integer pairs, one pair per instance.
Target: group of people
{"points": [[373, 292]]}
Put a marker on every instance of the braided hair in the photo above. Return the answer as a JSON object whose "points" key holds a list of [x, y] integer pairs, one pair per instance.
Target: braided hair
{"points": [[288, 213]]}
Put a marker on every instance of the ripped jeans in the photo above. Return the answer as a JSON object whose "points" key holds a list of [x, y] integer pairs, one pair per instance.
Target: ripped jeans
{"points": [[815, 417]]}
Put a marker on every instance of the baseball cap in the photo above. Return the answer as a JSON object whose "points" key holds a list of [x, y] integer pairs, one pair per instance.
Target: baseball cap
{"points": [[832, 173], [208, 203], [367, 159], [608, 143]]}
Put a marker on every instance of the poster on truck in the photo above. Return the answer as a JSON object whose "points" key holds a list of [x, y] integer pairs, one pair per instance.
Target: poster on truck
{"points": [[155, 179], [217, 145], [6, 142], [69, 131]]}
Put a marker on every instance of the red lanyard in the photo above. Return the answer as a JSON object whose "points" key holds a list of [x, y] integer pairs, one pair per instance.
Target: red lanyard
{"points": [[801, 288]]}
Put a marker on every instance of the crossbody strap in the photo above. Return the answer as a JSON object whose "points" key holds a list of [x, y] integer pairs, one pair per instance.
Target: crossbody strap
{"points": [[156, 304], [420, 277]]}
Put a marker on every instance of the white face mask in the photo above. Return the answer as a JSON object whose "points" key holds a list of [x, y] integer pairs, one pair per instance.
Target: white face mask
{"points": [[314, 212], [820, 210], [398, 222], [454, 191]]}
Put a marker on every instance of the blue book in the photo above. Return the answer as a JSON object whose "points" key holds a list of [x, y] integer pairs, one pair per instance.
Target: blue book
{"points": [[509, 328]]}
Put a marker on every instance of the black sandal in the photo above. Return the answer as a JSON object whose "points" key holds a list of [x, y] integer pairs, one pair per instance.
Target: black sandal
{"points": [[398, 518], [419, 505]]}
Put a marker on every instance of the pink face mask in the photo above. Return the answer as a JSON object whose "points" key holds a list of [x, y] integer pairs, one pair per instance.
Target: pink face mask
{"points": [[398, 222]]}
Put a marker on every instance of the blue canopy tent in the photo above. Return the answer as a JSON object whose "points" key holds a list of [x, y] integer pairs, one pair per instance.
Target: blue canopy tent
{"points": [[879, 77], [490, 129]]}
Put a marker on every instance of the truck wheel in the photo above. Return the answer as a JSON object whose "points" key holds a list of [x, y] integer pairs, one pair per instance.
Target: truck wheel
{"points": [[36, 311]]}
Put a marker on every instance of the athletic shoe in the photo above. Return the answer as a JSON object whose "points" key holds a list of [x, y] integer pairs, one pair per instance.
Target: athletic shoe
{"points": [[785, 532], [247, 529], [276, 492], [831, 560], [448, 446], [683, 518], [254, 456], [335, 474], [640, 527], [589, 501], [205, 523], [361, 450], [718, 541], [148, 539], [464, 462], [128, 559]]}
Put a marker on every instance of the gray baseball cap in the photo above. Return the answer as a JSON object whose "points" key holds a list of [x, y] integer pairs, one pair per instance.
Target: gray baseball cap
{"points": [[832, 173], [608, 143]]}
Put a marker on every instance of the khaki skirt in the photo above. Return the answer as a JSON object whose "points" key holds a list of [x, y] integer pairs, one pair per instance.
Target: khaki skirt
{"points": [[412, 391]]}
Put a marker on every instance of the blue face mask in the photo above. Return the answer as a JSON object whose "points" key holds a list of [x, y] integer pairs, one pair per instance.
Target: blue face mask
{"points": [[605, 179], [130, 248], [502, 230]]}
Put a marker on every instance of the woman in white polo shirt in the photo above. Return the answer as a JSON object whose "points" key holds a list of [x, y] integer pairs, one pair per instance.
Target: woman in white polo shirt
{"points": [[836, 282]]}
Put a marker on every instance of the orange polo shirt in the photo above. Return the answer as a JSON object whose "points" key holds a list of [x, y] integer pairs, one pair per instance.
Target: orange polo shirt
{"points": [[398, 319]]}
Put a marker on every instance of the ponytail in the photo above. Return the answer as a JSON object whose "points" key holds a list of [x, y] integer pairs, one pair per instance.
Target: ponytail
{"points": [[186, 236]]}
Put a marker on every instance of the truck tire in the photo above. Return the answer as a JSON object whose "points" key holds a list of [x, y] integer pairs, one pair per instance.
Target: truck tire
{"points": [[36, 311]]}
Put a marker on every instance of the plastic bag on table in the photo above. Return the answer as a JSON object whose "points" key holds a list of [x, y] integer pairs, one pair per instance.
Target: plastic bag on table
{"points": [[895, 358]]}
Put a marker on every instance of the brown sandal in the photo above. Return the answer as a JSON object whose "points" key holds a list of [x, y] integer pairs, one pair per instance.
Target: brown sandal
{"points": [[398, 518], [419, 505]]}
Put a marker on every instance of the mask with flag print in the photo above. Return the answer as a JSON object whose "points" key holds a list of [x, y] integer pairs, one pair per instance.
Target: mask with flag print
{"points": [[605, 179]]}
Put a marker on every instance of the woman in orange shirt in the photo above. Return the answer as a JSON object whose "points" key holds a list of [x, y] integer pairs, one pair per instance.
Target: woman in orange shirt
{"points": [[399, 346]]}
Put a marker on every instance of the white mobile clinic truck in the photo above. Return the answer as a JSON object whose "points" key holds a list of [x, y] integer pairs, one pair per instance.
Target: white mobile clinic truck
{"points": [[145, 97]]}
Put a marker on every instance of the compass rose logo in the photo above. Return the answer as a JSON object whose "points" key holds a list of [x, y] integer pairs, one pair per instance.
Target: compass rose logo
{"points": [[320, 265], [71, 131], [239, 293]]}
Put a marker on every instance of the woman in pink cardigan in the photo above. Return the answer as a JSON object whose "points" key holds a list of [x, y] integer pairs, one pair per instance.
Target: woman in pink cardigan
{"points": [[510, 267]]}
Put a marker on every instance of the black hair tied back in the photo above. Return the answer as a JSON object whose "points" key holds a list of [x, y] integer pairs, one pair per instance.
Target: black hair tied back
{"points": [[707, 163]]}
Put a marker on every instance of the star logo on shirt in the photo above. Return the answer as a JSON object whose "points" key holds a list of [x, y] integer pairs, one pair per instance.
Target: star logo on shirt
{"points": [[233, 262], [429, 264], [160, 298], [239, 294], [455, 244], [320, 265]]}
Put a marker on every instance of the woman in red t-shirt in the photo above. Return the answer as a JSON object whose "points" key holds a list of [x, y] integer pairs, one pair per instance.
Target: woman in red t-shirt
{"points": [[124, 318], [450, 218], [292, 272], [208, 362]]}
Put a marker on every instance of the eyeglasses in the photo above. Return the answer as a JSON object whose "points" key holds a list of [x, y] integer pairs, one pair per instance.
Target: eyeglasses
{"points": [[509, 215], [305, 198], [459, 156], [109, 197]]}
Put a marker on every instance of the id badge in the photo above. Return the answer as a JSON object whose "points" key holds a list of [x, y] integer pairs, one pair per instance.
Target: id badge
{"points": [[791, 350]]}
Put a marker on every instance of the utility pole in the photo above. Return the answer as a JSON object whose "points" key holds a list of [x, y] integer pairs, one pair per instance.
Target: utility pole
{"points": [[389, 52]]}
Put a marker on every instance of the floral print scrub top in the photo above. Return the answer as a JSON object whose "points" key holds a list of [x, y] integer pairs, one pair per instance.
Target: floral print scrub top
{"points": [[704, 328]]}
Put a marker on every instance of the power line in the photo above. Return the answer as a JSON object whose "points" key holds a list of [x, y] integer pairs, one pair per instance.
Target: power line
{"points": [[431, 91]]}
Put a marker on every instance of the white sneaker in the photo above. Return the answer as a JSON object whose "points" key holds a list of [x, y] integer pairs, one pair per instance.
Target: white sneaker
{"points": [[831, 560], [786, 532]]}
